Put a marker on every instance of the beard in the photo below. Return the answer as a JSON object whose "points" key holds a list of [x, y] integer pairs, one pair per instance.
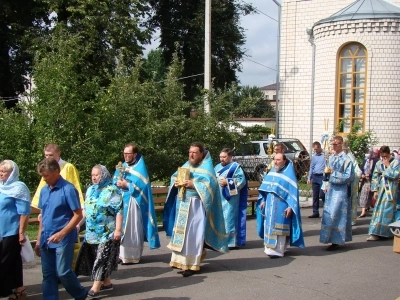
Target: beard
{"points": [[278, 168], [195, 162]]}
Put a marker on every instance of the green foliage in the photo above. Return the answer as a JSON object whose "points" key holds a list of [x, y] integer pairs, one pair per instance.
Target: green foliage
{"points": [[109, 29], [94, 93], [359, 143], [17, 141], [19, 25], [92, 124], [251, 103], [257, 132], [154, 66], [183, 21]]}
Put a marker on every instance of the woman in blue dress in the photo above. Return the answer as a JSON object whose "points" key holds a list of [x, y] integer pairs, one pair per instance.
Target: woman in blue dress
{"points": [[14, 215]]}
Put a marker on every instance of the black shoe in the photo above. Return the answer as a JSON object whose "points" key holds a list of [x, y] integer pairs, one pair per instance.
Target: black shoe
{"points": [[332, 247], [313, 216], [273, 256], [233, 248], [92, 294], [187, 273], [104, 288]]}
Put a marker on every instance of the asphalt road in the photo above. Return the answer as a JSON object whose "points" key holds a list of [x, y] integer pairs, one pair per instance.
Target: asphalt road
{"points": [[358, 270]]}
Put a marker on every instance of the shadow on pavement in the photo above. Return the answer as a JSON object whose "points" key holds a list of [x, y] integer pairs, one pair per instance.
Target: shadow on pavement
{"points": [[321, 250], [165, 283], [140, 271], [166, 298], [244, 264]]}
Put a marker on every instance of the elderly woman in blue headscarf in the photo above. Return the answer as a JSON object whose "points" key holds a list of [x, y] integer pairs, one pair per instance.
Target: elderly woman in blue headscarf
{"points": [[14, 215], [99, 253]]}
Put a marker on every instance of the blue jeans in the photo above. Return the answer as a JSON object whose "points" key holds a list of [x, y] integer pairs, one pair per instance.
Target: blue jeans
{"points": [[56, 264]]}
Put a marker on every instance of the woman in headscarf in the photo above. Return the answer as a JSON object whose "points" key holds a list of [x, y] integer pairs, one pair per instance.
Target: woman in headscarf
{"points": [[367, 169], [14, 215], [99, 253]]}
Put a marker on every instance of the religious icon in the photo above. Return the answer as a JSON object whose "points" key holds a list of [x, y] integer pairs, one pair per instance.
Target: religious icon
{"points": [[327, 151], [121, 170], [183, 174]]}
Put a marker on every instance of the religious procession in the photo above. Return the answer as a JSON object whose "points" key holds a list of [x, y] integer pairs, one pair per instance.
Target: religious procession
{"points": [[205, 210]]}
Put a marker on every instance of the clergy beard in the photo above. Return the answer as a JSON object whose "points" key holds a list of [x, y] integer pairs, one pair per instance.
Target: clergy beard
{"points": [[278, 168], [195, 162]]}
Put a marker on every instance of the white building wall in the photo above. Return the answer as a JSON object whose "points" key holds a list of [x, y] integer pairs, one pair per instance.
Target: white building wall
{"points": [[296, 72], [382, 40]]}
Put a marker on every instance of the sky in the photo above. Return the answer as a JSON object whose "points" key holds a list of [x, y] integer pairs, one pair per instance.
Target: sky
{"points": [[261, 44]]}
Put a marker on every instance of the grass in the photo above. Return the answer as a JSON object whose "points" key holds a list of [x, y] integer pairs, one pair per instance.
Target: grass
{"points": [[32, 231]]}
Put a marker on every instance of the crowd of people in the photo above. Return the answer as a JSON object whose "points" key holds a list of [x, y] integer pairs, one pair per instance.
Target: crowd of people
{"points": [[205, 208], [347, 186]]}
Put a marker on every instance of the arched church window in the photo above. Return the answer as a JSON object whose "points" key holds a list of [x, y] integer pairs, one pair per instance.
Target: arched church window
{"points": [[351, 87]]}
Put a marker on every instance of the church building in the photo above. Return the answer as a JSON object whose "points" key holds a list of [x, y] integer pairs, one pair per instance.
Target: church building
{"points": [[340, 66]]}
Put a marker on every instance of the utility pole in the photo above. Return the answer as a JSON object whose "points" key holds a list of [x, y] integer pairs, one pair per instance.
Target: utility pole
{"points": [[278, 66], [207, 55]]}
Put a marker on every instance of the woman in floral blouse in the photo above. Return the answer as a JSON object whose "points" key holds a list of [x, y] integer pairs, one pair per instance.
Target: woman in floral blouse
{"points": [[99, 253]]}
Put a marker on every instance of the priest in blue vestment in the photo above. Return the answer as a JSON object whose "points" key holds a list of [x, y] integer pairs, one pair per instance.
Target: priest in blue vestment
{"points": [[139, 223], [193, 215], [278, 210], [233, 187], [385, 187], [336, 218]]}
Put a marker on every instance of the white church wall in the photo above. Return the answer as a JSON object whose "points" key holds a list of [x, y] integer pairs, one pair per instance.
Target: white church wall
{"points": [[381, 39], [296, 71]]}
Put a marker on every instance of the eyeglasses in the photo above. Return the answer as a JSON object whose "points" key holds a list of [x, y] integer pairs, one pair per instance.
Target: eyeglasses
{"points": [[336, 144], [126, 153]]}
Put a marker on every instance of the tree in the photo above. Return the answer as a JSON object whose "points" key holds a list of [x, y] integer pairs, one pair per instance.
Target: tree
{"points": [[359, 142], [250, 103], [154, 66], [257, 132], [183, 22], [110, 30], [19, 25]]}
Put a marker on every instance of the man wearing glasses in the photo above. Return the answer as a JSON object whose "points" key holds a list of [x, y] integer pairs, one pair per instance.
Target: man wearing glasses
{"points": [[336, 217], [140, 223]]}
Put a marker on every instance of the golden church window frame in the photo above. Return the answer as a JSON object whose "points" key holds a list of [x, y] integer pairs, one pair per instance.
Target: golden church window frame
{"points": [[351, 87]]}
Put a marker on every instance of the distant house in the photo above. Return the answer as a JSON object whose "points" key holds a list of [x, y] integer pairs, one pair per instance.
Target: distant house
{"points": [[249, 122], [270, 93]]}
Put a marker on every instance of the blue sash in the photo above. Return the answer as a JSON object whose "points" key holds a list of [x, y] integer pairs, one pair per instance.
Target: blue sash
{"points": [[230, 189], [140, 191]]}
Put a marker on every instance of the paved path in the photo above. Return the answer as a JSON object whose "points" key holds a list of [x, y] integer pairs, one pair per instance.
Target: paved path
{"points": [[359, 270]]}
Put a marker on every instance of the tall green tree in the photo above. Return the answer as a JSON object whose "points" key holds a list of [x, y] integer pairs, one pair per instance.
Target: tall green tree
{"points": [[20, 22], [181, 26], [154, 66], [110, 30], [250, 102]]}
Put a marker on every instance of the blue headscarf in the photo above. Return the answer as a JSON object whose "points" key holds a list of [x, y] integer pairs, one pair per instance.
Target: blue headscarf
{"points": [[13, 187], [105, 180]]}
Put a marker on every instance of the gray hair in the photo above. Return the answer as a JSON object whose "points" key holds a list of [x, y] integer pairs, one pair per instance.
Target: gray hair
{"points": [[48, 164], [7, 164]]}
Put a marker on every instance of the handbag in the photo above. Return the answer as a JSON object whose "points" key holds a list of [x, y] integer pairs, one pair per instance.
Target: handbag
{"points": [[373, 202], [27, 251]]}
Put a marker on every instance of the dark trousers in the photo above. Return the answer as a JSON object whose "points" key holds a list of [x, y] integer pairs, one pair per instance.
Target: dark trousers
{"points": [[10, 265], [317, 192]]}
